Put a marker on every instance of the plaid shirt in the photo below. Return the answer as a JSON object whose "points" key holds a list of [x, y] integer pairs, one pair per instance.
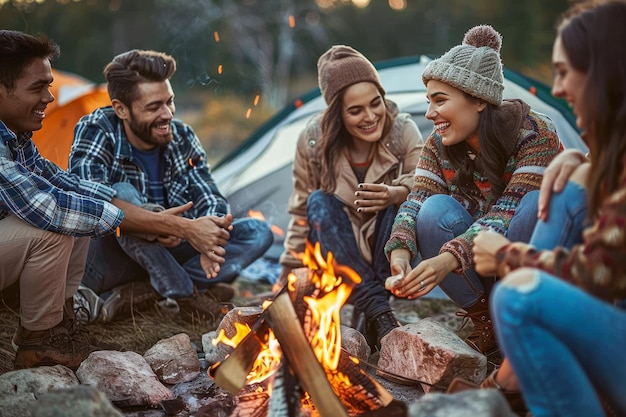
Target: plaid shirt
{"points": [[102, 153], [44, 196]]}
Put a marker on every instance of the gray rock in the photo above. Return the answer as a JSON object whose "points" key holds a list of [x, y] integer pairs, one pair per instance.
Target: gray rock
{"points": [[77, 401], [480, 402], [174, 359], [124, 377]]}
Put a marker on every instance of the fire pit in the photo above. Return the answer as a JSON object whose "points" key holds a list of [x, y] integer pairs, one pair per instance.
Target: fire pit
{"points": [[289, 362]]}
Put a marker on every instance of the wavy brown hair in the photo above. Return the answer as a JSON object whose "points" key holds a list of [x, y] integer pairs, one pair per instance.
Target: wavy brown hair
{"points": [[129, 69], [589, 41], [334, 138], [497, 137]]}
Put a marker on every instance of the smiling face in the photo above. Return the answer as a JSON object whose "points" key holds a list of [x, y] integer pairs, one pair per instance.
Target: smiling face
{"points": [[23, 108], [364, 112], [148, 121], [568, 82], [455, 115]]}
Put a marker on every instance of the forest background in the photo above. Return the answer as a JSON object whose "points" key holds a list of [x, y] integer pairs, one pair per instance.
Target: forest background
{"points": [[240, 61]]}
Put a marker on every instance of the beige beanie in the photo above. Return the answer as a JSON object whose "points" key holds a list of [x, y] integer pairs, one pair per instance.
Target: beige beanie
{"points": [[342, 66], [473, 67]]}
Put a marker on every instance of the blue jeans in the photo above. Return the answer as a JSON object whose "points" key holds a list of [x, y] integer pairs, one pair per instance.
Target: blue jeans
{"points": [[566, 219], [331, 227], [173, 272], [562, 343], [564, 346], [441, 218]]}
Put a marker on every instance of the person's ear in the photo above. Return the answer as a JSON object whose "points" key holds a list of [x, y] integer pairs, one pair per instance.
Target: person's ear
{"points": [[121, 110], [482, 105]]}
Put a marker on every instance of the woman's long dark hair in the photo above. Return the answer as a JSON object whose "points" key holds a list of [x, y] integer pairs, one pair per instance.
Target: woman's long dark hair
{"points": [[589, 41], [335, 137], [497, 137]]}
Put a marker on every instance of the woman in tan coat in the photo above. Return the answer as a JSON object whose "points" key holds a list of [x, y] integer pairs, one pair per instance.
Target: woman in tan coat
{"points": [[353, 168]]}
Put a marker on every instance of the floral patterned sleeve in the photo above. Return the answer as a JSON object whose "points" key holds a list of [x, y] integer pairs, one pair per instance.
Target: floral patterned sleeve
{"points": [[597, 265]]}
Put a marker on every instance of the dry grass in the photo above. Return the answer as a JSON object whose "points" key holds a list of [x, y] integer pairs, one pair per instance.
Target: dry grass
{"points": [[137, 333]]}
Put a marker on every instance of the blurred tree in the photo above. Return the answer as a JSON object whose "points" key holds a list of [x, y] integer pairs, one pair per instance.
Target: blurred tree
{"points": [[254, 46]]}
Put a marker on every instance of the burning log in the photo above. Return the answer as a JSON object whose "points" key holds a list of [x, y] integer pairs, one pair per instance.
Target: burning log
{"points": [[297, 349], [233, 373], [296, 346]]}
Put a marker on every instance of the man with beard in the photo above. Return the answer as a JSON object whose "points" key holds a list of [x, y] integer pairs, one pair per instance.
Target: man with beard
{"points": [[154, 161]]}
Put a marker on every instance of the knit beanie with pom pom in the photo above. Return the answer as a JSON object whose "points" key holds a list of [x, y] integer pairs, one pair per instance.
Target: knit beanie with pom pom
{"points": [[473, 67]]}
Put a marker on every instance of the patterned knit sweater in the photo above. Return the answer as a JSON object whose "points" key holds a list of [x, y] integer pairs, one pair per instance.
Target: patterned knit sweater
{"points": [[597, 265], [537, 144]]}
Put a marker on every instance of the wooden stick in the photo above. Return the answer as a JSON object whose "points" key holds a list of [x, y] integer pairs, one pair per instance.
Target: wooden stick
{"points": [[296, 348], [232, 373]]}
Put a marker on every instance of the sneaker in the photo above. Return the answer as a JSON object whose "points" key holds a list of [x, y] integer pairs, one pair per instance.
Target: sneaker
{"points": [[55, 346], [201, 306], [127, 298], [87, 305], [168, 306]]}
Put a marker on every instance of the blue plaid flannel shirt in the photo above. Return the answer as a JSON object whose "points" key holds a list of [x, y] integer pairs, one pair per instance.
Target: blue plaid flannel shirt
{"points": [[45, 196], [102, 153]]}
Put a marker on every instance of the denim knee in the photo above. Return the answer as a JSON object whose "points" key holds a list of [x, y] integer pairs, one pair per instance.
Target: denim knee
{"points": [[125, 191]]}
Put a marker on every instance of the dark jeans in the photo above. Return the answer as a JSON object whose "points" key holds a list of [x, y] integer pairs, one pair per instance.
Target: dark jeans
{"points": [[173, 272], [441, 218], [330, 226]]}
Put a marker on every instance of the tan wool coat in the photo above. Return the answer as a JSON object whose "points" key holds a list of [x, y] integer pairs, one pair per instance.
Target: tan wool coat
{"points": [[394, 164]]}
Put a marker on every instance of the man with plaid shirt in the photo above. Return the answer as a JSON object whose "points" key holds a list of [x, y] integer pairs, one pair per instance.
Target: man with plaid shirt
{"points": [[154, 161]]}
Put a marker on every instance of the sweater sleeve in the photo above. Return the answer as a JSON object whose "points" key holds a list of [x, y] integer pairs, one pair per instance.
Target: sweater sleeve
{"points": [[538, 144], [428, 180]]}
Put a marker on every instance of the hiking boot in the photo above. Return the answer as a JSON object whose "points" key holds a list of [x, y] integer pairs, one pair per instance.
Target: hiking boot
{"points": [[200, 306], [168, 306], [75, 329], [379, 326], [125, 299], [482, 338], [374, 329], [54, 346]]}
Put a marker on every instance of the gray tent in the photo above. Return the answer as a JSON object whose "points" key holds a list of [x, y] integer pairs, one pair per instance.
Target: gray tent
{"points": [[257, 175]]}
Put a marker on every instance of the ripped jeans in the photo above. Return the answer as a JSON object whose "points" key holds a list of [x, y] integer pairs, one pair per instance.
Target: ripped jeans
{"points": [[173, 272], [563, 344]]}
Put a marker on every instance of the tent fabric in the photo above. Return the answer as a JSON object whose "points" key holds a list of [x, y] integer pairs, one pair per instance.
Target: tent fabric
{"points": [[75, 97], [256, 177]]}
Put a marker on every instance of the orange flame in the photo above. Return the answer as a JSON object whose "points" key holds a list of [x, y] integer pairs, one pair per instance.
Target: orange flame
{"points": [[268, 359], [333, 283], [326, 308]]}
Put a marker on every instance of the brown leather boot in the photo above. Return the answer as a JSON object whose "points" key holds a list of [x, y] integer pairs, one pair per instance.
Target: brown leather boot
{"points": [[54, 346], [482, 338], [78, 332]]}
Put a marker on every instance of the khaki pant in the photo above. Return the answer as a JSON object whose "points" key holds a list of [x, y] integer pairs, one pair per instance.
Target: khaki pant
{"points": [[48, 265]]}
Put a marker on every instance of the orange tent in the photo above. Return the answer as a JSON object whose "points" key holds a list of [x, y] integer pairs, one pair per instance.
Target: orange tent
{"points": [[75, 97]]}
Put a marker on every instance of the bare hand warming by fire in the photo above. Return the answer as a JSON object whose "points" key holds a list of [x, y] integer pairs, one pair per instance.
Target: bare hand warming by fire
{"points": [[424, 277], [372, 198]]}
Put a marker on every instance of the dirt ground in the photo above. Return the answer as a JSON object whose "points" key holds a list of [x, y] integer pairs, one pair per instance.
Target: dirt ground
{"points": [[144, 329]]}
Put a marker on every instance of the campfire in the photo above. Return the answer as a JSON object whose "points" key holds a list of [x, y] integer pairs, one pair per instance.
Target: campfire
{"points": [[289, 361]]}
